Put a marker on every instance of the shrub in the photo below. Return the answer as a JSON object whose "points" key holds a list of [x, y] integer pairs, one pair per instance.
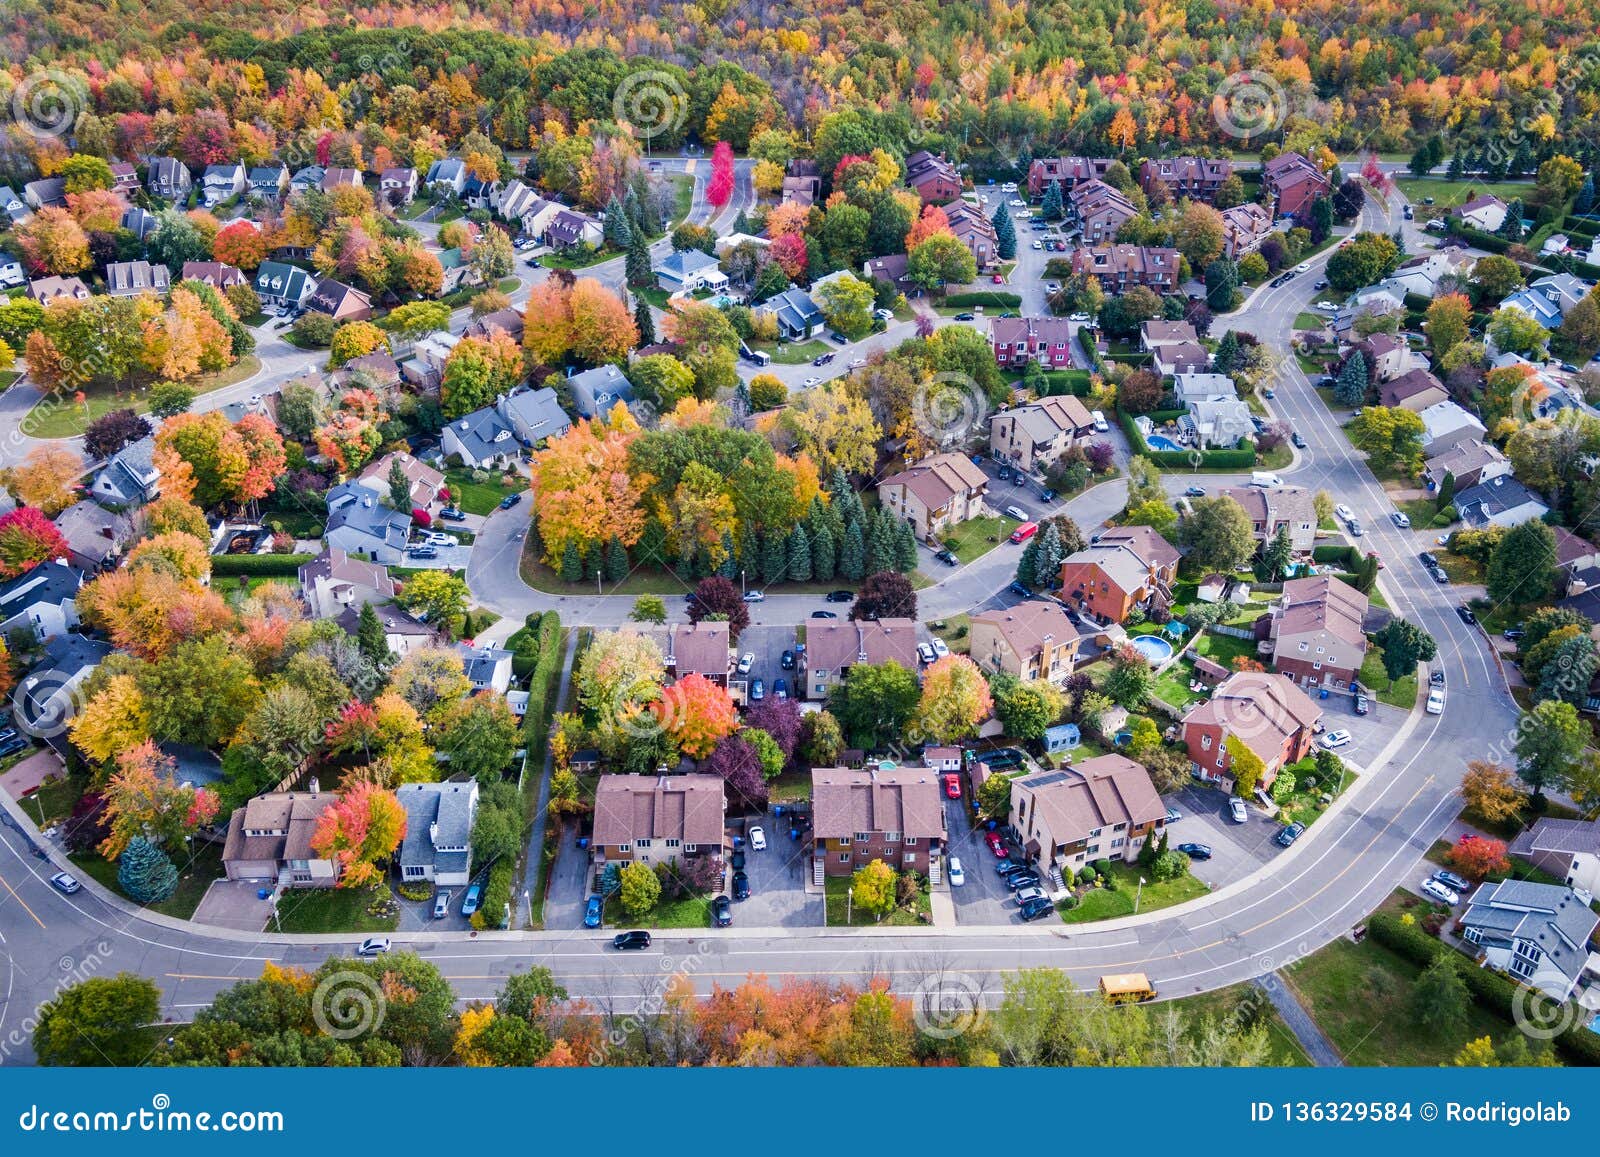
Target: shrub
{"points": [[497, 894], [259, 565]]}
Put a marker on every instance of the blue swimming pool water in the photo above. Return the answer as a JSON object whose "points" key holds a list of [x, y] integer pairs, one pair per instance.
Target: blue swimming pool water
{"points": [[1152, 647], [1161, 442]]}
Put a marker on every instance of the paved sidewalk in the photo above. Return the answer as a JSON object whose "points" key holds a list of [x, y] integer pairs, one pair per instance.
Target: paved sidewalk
{"points": [[1312, 1039], [535, 851]]}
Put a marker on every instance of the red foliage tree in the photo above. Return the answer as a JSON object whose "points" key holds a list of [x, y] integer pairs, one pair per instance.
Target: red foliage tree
{"points": [[1477, 857], [718, 596], [779, 718], [28, 538], [697, 713], [738, 765], [720, 187], [789, 251]]}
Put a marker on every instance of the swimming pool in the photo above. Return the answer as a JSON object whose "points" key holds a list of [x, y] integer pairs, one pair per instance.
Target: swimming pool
{"points": [[1152, 647], [1161, 442]]}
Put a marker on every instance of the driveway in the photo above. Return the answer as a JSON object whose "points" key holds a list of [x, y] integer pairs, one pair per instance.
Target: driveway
{"points": [[768, 642], [1236, 849], [567, 890], [984, 899], [778, 897], [450, 558], [417, 915], [234, 904]]}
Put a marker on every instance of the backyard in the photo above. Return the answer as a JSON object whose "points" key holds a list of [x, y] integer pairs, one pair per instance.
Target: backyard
{"points": [[1448, 194], [61, 417], [481, 497], [1105, 903], [1402, 693]]}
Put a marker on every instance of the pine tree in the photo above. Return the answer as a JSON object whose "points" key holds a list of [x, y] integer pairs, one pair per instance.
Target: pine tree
{"points": [[1048, 561], [399, 486], [853, 557], [730, 557], [1005, 233], [823, 560], [145, 873], [774, 557], [618, 231], [741, 223], [633, 206], [1276, 556], [1227, 355], [637, 265], [1447, 490], [1028, 564], [571, 564], [370, 637], [593, 560], [749, 553], [616, 561], [1511, 227], [645, 322], [905, 546], [799, 551], [1350, 388], [880, 544], [1052, 207], [1585, 200], [1458, 166]]}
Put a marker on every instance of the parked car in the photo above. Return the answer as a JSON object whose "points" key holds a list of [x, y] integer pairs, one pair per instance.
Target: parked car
{"points": [[925, 653], [1173, 815], [373, 946], [841, 596], [422, 552], [1237, 811], [1031, 892], [1288, 834], [780, 688], [469, 902], [755, 596], [1034, 909], [439, 538], [1452, 881], [997, 844], [1101, 426], [758, 690], [821, 359], [940, 647], [721, 912], [625, 941], [1436, 677], [823, 615], [1437, 891], [741, 886], [1343, 513], [1335, 739], [1363, 705], [946, 557], [1195, 492], [1400, 519], [1020, 591], [65, 884], [958, 874], [509, 501], [758, 839], [1439, 575], [592, 910], [746, 661], [1467, 617], [1355, 528], [1196, 851], [1024, 532], [1428, 558], [441, 905], [453, 514], [1024, 879], [1514, 634], [952, 785], [1435, 701]]}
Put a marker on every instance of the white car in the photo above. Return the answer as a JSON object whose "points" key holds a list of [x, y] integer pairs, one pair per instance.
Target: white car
{"points": [[958, 875], [1101, 426], [746, 661], [1303, 267], [1031, 892], [1435, 702], [1017, 203], [755, 596], [925, 653], [858, 363], [758, 839], [939, 647], [1038, 244], [811, 382], [1343, 512], [1236, 809], [1439, 892], [439, 538], [1327, 307], [1335, 739], [1052, 286], [1077, 317]]}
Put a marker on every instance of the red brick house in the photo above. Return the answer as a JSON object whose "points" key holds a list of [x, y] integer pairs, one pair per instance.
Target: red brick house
{"points": [[1069, 172], [1292, 183], [1197, 178], [933, 178], [1016, 341], [1120, 267], [1129, 567], [1316, 631], [1265, 712], [884, 811]]}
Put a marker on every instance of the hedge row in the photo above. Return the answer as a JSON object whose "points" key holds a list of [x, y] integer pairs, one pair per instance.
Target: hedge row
{"points": [[1492, 990], [984, 298], [497, 893], [1183, 459], [1345, 556], [1075, 382], [1479, 238], [542, 681], [1564, 264], [259, 564]]}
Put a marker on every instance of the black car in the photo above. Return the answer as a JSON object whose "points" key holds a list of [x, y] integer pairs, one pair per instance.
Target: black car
{"points": [[823, 615], [13, 745], [1515, 633], [453, 514], [947, 558], [1020, 591], [787, 661], [509, 501], [1036, 907], [741, 886], [962, 317], [736, 861], [1436, 678], [721, 912], [1299, 442], [841, 596], [822, 359], [533, 263], [1196, 851], [1288, 834], [1019, 880], [1047, 495], [422, 552], [1003, 473], [1428, 559], [1467, 616], [1439, 575], [638, 938]]}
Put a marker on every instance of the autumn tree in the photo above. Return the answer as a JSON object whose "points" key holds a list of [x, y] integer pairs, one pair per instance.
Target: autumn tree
{"points": [[359, 832], [872, 889], [28, 538], [885, 595], [717, 597], [479, 734], [145, 798], [583, 493], [955, 699], [1479, 857], [53, 243], [1449, 316], [241, 245], [110, 432], [696, 713], [48, 478], [1490, 793]]}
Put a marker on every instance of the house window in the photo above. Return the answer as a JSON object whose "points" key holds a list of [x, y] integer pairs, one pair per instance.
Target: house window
{"points": [[911, 841], [844, 841], [691, 849], [642, 844], [413, 872], [1205, 743], [1529, 949], [863, 837], [910, 858], [674, 843], [1094, 833], [625, 849], [1305, 647], [1117, 843], [1473, 935], [844, 857], [1523, 967], [891, 837], [1119, 827], [1092, 850]]}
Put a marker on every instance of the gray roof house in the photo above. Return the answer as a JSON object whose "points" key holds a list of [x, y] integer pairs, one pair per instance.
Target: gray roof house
{"points": [[95, 536], [489, 668], [1568, 849], [449, 172], [222, 182], [1539, 933], [13, 206], [269, 181], [333, 582], [1501, 501], [495, 435], [360, 524], [42, 600], [595, 392], [140, 222], [686, 270], [46, 193], [401, 633], [798, 316], [46, 700], [133, 278], [168, 178], [437, 846], [130, 476], [280, 284], [309, 177]]}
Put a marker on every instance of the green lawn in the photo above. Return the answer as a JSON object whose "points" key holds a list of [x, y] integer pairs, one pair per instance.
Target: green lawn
{"points": [[837, 901], [1225, 649], [53, 801], [955, 632], [1306, 805], [1460, 568], [64, 418], [1519, 869], [577, 260], [1246, 1001], [683, 194], [481, 497], [332, 910], [794, 353], [194, 878], [1402, 693], [976, 537], [1104, 904], [1449, 194], [1421, 512], [1307, 320]]}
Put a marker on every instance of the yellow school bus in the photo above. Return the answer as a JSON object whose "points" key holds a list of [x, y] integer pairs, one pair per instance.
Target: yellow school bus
{"points": [[1127, 988]]}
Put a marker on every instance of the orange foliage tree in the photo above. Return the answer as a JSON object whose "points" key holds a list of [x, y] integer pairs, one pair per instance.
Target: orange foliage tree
{"points": [[696, 713], [361, 830]]}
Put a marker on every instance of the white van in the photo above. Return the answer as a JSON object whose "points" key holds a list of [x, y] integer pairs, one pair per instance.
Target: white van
{"points": [[1265, 479], [1099, 420]]}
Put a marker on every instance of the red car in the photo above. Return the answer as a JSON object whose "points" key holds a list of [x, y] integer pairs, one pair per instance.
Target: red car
{"points": [[952, 785], [997, 844], [998, 280]]}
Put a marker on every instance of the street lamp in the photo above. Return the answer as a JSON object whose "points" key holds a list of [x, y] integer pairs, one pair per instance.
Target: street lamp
{"points": [[741, 584], [1138, 895], [849, 904]]}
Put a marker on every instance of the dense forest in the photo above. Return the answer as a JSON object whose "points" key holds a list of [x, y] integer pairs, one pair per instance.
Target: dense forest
{"points": [[992, 83]]}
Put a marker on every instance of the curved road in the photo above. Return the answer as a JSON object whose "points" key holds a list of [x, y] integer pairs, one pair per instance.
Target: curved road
{"points": [[1344, 867]]}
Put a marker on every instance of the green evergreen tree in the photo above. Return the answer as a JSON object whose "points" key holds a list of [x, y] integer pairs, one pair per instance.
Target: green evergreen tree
{"points": [[1447, 491], [1005, 233], [799, 551], [633, 206], [880, 544], [1028, 564], [853, 556], [399, 486], [145, 873], [1047, 564], [616, 561], [1350, 387], [741, 223], [370, 637], [1585, 200], [905, 546], [823, 559], [1052, 206], [1458, 165], [730, 557], [637, 265], [1511, 227], [644, 322], [1321, 220], [571, 564], [774, 557], [593, 561], [618, 231], [1227, 355]]}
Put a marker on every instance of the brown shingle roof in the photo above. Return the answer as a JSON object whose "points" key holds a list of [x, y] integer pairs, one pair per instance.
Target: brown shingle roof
{"points": [[907, 800], [1029, 626], [700, 648], [936, 480], [1261, 710], [831, 644], [648, 807], [1323, 603], [1097, 793], [287, 819]]}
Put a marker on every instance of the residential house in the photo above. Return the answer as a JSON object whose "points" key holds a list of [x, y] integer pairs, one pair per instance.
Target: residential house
{"points": [[1369, 301], [44, 290], [1120, 267], [656, 819], [339, 301], [279, 285], [429, 355], [1291, 183], [1316, 632], [1538, 933], [936, 494], [1485, 211], [508, 321], [596, 392], [95, 536], [973, 229], [933, 178], [476, 193], [13, 206], [942, 759], [1127, 567], [437, 845], [1429, 274], [494, 437], [1068, 172], [798, 317], [883, 811], [1548, 299], [377, 370], [135, 278], [1016, 341], [1569, 850], [48, 696], [424, 481], [217, 274], [402, 634], [1183, 357], [1265, 712], [124, 177], [704, 649], [1269, 508], [1577, 561], [727, 244], [1155, 334], [1387, 356], [397, 186], [46, 193], [358, 523], [1195, 178], [802, 184], [833, 646], [1031, 641], [1444, 424], [42, 601], [1244, 228], [688, 270], [568, 228], [1470, 461], [306, 179], [11, 274], [270, 181], [1413, 390], [1196, 386], [1217, 421], [1099, 210], [223, 182], [1035, 436], [1501, 501], [487, 668], [333, 582], [337, 177], [1101, 809], [446, 175], [456, 271], [129, 477], [168, 178], [269, 839]]}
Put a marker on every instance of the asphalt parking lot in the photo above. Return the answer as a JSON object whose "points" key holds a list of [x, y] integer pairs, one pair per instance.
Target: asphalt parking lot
{"points": [[1368, 733], [1237, 849], [984, 899], [777, 882], [767, 644]]}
